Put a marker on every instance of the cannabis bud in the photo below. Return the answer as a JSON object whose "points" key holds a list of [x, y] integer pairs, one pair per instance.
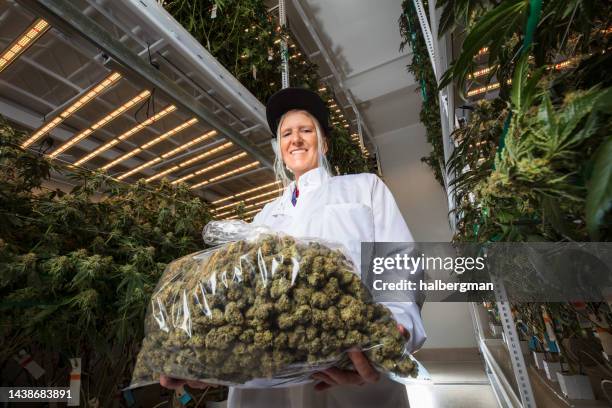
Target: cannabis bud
{"points": [[272, 307]]}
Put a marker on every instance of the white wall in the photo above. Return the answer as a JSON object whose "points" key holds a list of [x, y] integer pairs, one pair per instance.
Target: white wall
{"points": [[423, 204]]}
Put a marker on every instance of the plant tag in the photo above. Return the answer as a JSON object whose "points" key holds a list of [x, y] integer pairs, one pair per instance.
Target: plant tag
{"points": [[129, 397], [75, 382], [270, 54], [183, 396], [254, 72], [25, 360], [213, 13]]}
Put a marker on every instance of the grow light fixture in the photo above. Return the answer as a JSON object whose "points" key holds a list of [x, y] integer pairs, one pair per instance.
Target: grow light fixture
{"points": [[23, 42], [247, 200], [187, 145], [127, 134], [563, 64], [269, 200], [485, 89], [188, 162], [102, 122], [226, 174], [243, 193], [208, 168], [480, 72], [82, 101], [250, 212], [482, 51], [232, 172], [153, 142]]}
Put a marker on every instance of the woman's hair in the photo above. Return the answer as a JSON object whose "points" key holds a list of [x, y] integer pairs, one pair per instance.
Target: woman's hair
{"points": [[279, 167]]}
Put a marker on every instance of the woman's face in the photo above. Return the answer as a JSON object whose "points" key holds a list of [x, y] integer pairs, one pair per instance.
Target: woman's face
{"points": [[298, 143]]}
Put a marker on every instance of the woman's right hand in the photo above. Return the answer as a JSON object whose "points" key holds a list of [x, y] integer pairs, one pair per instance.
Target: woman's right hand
{"points": [[175, 384]]}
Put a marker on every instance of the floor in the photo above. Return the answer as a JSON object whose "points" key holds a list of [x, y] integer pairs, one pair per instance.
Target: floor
{"points": [[456, 384]]}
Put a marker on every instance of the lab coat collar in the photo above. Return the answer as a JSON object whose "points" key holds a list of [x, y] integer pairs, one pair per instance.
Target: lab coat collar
{"points": [[311, 179]]}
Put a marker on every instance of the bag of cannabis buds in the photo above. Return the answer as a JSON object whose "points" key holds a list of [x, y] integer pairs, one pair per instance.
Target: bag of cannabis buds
{"points": [[263, 309]]}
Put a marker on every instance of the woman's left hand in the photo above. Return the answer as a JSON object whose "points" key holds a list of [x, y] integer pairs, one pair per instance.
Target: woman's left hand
{"points": [[363, 373]]}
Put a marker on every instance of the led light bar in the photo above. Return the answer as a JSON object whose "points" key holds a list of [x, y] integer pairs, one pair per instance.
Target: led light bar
{"points": [[485, 89], [102, 122], [269, 200], [229, 173], [232, 172], [190, 161], [245, 192], [247, 200], [262, 202], [23, 42], [187, 145], [482, 51], [169, 154], [82, 101], [139, 168], [246, 213], [127, 134], [153, 142], [480, 72], [211, 167]]}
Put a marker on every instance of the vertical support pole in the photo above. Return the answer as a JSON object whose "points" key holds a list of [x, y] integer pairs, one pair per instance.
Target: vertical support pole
{"points": [[438, 51], [282, 16], [514, 346]]}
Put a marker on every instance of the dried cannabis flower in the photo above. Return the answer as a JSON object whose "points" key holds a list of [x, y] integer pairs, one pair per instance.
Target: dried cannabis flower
{"points": [[244, 311]]}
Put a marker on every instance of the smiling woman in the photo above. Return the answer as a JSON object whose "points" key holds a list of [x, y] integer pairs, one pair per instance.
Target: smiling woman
{"points": [[345, 210]]}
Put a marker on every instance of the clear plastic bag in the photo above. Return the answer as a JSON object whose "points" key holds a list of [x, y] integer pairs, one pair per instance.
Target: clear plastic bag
{"points": [[263, 309]]}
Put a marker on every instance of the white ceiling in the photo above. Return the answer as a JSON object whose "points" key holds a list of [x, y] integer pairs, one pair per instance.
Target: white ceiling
{"points": [[363, 38]]}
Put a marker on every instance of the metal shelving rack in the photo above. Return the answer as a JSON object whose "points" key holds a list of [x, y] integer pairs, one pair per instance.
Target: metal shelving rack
{"points": [[514, 392], [510, 392], [90, 39]]}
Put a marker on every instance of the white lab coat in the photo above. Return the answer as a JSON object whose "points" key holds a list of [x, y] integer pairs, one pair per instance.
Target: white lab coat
{"points": [[347, 210]]}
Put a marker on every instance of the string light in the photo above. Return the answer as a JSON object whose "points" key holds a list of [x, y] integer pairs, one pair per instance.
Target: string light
{"points": [[243, 193], [226, 174], [102, 122], [153, 142], [82, 101], [127, 134], [208, 168], [23, 42]]}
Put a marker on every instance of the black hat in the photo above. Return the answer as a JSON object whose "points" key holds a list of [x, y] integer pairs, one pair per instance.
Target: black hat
{"points": [[296, 98]]}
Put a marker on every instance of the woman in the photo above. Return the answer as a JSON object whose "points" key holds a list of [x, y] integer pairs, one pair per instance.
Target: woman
{"points": [[344, 209]]}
